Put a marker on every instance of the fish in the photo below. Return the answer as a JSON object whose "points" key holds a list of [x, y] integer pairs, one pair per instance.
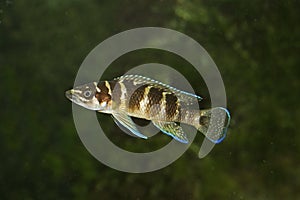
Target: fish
{"points": [[165, 106]]}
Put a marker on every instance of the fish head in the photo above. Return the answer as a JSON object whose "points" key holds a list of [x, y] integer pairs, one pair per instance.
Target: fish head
{"points": [[90, 96]]}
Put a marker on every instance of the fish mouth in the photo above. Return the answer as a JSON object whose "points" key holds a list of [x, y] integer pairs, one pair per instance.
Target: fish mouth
{"points": [[72, 96], [69, 94]]}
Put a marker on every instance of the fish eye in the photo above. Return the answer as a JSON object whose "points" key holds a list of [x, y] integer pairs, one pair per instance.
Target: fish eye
{"points": [[87, 93]]}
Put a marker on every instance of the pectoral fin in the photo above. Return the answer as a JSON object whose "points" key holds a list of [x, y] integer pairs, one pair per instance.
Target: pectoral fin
{"points": [[125, 122], [172, 129]]}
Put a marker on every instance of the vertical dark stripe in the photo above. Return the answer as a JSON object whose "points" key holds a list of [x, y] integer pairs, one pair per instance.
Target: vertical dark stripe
{"points": [[155, 96], [204, 120], [171, 105], [112, 84], [103, 94], [102, 87], [136, 97]]}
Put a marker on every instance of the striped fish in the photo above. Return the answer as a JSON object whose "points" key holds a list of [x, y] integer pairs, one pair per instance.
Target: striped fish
{"points": [[137, 96]]}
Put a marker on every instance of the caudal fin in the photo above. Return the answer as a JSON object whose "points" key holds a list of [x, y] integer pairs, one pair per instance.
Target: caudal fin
{"points": [[213, 123]]}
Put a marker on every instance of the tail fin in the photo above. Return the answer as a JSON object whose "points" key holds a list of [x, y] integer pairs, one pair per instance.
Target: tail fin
{"points": [[213, 123]]}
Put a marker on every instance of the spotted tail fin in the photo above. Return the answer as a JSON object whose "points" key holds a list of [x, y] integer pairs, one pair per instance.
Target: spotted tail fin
{"points": [[213, 123]]}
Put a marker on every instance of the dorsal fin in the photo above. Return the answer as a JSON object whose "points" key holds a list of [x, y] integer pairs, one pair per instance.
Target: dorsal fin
{"points": [[183, 96]]}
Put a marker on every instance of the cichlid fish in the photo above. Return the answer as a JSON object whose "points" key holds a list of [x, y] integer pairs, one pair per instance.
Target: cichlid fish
{"points": [[137, 96]]}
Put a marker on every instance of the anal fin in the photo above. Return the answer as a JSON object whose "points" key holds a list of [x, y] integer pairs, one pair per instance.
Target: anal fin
{"points": [[172, 129]]}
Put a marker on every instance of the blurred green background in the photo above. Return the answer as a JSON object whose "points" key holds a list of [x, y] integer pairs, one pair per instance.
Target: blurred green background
{"points": [[256, 46]]}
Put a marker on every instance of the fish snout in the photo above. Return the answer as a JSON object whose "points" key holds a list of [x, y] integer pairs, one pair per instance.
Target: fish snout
{"points": [[69, 94]]}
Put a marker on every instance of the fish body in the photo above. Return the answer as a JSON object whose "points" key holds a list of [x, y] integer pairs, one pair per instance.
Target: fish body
{"points": [[141, 97]]}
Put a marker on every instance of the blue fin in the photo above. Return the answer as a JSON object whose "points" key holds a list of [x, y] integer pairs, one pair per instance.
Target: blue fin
{"points": [[125, 122], [172, 129]]}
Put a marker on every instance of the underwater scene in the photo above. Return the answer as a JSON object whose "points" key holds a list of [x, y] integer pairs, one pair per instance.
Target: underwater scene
{"points": [[163, 99]]}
